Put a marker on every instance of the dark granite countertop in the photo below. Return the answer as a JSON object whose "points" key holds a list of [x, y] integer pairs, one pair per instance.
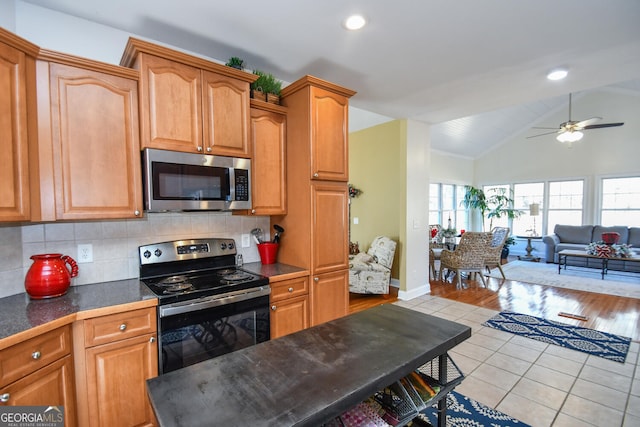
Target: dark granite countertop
{"points": [[19, 313], [276, 271], [305, 378]]}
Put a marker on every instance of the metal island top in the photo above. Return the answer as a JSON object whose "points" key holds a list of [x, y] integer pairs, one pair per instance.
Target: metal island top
{"points": [[306, 378]]}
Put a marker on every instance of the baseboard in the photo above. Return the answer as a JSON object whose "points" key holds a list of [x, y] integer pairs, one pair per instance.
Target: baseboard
{"points": [[414, 293]]}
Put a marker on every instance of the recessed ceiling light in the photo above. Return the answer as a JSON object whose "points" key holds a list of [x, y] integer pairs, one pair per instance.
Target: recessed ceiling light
{"points": [[355, 22], [557, 74]]}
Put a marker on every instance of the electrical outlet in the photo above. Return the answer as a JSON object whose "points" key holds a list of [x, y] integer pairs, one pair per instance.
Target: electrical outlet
{"points": [[246, 241], [85, 253]]}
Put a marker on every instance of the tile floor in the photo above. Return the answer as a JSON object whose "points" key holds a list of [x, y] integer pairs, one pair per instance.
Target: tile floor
{"points": [[540, 384]]}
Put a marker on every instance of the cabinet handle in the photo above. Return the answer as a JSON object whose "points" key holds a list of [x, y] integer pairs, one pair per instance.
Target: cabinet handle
{"points": [[4, 398], [253, 211], [199, 149], [273, 308], [152, 339], [208, 149], [290, 289], [36, 355], [316, 279], [315, 175], [136, 213], [123, 326]]}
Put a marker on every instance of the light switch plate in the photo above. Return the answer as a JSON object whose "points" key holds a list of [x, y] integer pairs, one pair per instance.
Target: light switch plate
{"points": [[246, 241]]}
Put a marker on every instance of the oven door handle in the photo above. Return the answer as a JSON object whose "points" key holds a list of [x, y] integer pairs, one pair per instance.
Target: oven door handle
{"points": [[213, 301]]}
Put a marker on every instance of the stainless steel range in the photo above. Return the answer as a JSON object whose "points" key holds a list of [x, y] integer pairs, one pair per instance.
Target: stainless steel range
{"points": [[207, 305]]}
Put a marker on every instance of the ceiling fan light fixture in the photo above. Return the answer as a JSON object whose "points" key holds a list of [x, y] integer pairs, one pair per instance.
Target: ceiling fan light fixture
{"points": [[557, 74], [570, 136], [355, 22]]}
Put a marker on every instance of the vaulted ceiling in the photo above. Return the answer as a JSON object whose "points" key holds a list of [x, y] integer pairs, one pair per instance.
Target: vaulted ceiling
{"points": [[467, 65]]}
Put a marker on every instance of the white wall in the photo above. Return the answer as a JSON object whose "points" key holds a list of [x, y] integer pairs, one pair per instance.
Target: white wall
{"points": [[8, 15], [602, 152]]}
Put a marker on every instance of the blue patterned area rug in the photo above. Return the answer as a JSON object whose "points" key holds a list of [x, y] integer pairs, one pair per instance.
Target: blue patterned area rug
{"points": [[590, 341], [462, 411]]}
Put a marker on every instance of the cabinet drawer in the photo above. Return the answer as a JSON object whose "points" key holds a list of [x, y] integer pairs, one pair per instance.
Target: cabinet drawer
{"points": [[119, 326], [28, 356], [289, 288]]}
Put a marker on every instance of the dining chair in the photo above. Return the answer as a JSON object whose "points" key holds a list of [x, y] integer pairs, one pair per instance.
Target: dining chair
{"points": [[435, 247], [493, 258], [468, 256]]}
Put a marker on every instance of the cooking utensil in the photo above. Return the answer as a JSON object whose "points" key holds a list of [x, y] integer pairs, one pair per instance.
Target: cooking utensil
{"points": [[276, 236], [257, 235]]}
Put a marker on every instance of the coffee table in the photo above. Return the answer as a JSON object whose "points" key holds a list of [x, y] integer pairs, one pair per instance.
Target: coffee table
{"points": [[604, 262]]}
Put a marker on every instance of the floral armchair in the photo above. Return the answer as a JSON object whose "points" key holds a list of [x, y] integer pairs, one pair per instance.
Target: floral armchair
{"points": [[370, 272]]}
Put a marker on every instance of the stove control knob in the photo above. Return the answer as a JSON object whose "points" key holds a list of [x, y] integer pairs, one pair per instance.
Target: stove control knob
{"points": [[223, 246], [230, 245], [157, 252], [147, 254]]}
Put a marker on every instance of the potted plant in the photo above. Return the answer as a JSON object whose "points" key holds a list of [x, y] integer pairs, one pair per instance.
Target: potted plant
{"points": [[266, 87], [235, 62], [505, 249], [496, 205]]}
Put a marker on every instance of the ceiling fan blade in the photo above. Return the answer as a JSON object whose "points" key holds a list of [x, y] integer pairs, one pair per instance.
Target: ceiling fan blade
{"points": [[583, 123], [542, 134], [603, 125], [539, 127]]}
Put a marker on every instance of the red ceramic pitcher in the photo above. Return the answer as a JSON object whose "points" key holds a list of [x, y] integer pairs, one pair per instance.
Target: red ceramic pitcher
{"points": [[49, 275]]}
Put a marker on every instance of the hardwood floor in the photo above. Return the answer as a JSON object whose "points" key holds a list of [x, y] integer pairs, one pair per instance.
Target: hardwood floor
{"points": [[606, 313]]}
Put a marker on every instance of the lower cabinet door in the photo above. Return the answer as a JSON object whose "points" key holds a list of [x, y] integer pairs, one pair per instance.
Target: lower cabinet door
{"points": [[52, 385], [329, 296], [289, 315], [116, 379]]}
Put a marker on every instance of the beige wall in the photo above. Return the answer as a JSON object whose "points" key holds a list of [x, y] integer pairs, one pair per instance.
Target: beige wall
{"points": [[375, 167]]}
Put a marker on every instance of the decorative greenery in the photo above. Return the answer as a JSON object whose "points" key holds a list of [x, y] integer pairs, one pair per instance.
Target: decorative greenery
{"points": [[235, 62], [353, 191], [601, 249], [496, 205], [449, 232], [509, 241], [266, 83]]}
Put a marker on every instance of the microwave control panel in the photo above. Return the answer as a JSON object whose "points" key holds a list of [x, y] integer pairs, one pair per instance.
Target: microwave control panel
{"points": [[242, 184]]}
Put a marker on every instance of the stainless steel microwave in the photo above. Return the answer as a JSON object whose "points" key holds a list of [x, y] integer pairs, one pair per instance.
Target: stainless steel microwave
{"points": [[177, 181]]}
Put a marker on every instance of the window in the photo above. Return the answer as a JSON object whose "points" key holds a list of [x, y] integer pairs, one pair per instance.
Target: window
{"points": [[528, 198], [621, 201], [566, 203], [444, 203]]}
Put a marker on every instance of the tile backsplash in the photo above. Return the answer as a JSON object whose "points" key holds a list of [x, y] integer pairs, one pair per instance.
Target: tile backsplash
{"points": [[115, 243]]}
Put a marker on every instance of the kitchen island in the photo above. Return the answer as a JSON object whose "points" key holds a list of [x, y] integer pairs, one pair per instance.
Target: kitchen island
{"points": [[306, 378]]}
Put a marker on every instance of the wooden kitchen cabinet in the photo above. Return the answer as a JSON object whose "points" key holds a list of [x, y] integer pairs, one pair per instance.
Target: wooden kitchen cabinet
{"points": [[39, 371], [329, 296], [190, 104], [115, 355], [16, 78], [317, 194], [87, 152], [329, 130], [289, 306], [269, 143]]}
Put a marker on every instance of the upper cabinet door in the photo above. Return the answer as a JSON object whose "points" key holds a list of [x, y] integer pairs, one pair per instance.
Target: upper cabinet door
{"points": [[14, 188], [171, 99], [225, 115], [269, 191], [329, 143], [95, 144]]}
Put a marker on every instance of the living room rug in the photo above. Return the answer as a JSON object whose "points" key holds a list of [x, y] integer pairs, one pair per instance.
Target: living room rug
{"points": [[596, 343], [578, 278], [462, 411]]}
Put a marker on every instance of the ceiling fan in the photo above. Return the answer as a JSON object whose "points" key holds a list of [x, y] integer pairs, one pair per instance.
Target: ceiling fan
{"points": [[570, 131]]}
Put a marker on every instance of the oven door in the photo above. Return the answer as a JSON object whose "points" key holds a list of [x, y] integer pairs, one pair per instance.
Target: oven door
{"points": [[193, 331]]}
